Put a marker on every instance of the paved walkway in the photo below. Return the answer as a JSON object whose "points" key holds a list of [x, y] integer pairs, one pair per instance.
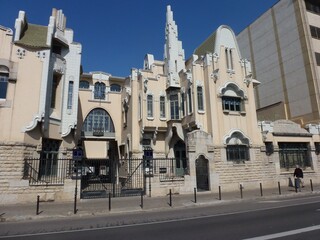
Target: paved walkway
{"points": [[86, 207]]}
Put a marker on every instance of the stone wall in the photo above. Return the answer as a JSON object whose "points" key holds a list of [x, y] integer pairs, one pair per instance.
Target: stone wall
{"points": [[14, 188]]}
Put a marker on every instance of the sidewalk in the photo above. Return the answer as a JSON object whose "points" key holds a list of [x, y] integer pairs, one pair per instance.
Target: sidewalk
{"points": [[90, 207]]}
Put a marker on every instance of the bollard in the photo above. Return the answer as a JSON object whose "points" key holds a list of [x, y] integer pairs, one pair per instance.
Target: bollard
{"points": [[219, 192], [38, 203], [195, 195], [311, 185], [279, 188], [261, 193], [141, 200], [241, 191], [109, 201], [170, 198]]}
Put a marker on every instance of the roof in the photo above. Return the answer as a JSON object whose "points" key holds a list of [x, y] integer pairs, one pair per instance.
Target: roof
{"points": [[207, 46], [34, 36]]}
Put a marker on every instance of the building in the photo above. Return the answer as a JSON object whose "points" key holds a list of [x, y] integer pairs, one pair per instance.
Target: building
{"points": [[283, 45], [40, 69], [174, 124]]}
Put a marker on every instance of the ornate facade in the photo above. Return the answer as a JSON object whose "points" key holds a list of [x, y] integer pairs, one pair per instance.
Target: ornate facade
{"points": [[178, 123]]}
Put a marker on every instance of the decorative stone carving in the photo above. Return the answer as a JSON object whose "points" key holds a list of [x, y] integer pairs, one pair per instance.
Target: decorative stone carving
{"points": [[145, 84], [215, 75], [21, 53], [41, 54], [215, 57]]}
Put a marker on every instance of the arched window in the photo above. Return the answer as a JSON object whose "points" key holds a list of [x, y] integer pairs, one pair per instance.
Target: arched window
{"points": [[115, 88], [99, 90], [84, 84], [98, 122], [237, 147], [232, 98]]}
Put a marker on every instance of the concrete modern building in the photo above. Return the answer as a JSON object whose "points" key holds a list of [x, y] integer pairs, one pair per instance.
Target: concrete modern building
{"points": [[283, 45], [174, 124]]}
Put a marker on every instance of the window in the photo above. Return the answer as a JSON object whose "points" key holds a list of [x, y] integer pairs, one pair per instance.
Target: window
{"points": [[99, 90], [139, 108], [189, 101], [229, 58], [315, 32], [174, 106], [231, 103], [182, 104], [115, 88], [84, 84], [317, 58], [200, 98], [162, 107], [70, 95], [48, 165], [55, 84], [98, 122], [3, 85], [149, 106], [292, 154], [237, 149], [237, 153], [313, 6]]}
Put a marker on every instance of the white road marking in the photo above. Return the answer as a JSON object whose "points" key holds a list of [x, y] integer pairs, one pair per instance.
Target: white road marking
{"points": [[160, 222], [285, 234]]}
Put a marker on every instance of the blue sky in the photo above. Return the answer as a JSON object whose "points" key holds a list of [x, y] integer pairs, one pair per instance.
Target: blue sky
{"points": [[116, 34]]}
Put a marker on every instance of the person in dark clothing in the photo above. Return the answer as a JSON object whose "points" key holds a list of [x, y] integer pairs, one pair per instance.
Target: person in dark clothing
{"points": [[298, 175]]}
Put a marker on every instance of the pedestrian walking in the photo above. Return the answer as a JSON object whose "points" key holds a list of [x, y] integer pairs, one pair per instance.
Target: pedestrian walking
{"points": [[298, 176]]}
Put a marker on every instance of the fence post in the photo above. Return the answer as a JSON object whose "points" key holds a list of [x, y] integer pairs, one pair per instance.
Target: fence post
{"points": [[279, 188], [241, 191], [76, 190], [170, 198], [311, 185], [195, 195], [38, 203], [261, 193], [141, 200], [219, 192], [109, 201]]}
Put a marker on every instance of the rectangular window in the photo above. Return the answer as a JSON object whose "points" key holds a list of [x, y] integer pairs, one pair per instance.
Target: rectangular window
{"points": [[70, 95], [237, 153], [150, 106], [182, 104], [162, 107], [48, 166], [317, 58], [139, 108], [315, 32], [189, 101], [313, 6], [200, 98], [231, 103], [3, 85], [174, 106], [292, 154], [55, 84]]}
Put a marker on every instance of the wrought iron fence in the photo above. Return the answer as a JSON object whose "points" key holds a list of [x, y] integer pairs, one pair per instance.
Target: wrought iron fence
{"points": [[47, 171], [100, 177]]}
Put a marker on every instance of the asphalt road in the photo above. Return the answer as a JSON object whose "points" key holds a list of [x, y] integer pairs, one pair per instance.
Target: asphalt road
{"points": [[292, 218]]}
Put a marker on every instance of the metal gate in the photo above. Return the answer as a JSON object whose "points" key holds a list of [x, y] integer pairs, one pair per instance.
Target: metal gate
{"points": [[202, 174], [101, 177]]}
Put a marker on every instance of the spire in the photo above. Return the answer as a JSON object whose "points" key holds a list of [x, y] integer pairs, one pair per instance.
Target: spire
{"points": [[173, 52]]}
